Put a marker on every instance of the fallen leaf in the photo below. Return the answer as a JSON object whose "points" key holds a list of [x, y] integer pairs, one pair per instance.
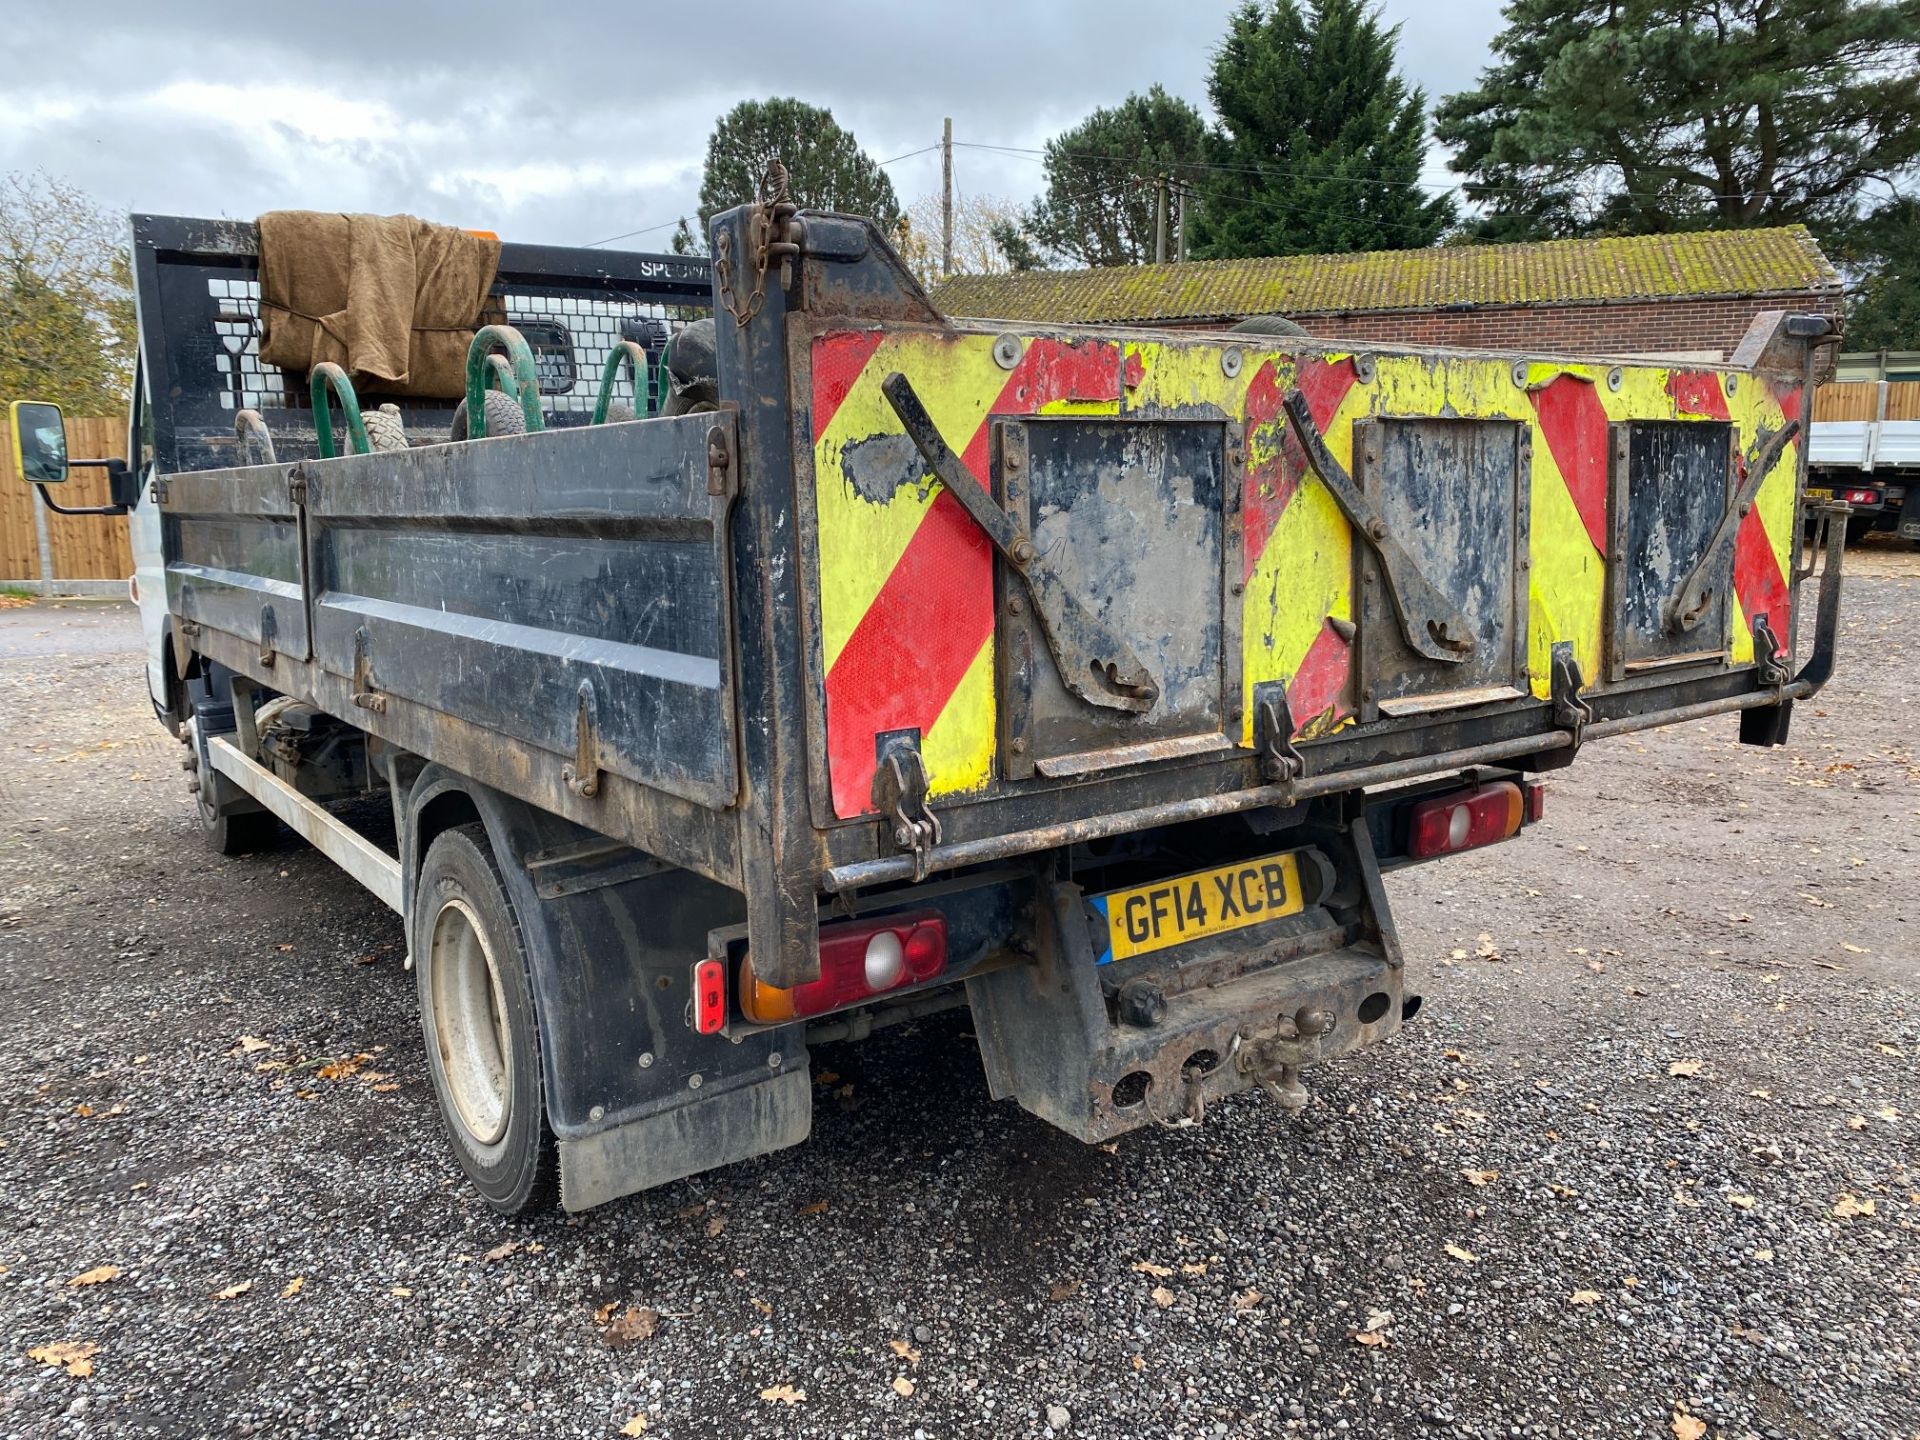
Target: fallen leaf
{"points": [[1763, 1254], [386, 1087], [1194, 1267], [85, 1111], [501, 1251], [1630, 1282], [1584, 1297], [692, 1212], [1162, 1296], [1139, 1362], [902, 1386], [1887, 1112], [73, 1356], [293, 1287], [1893, 1050], [1688, 1427], [1062, 1290], [782, 1395], [818, 1207], [762, 1306], [1460, 1252], [605, 1312], [1377, 1320], [1742, 1202], [636, 1426], [905, 1350], [1685, 1067], [98, 1275], [404, 1292], [1846, 1207], [233, 1292], [1247, 1299], [1368, 1337], [1147, 1267], [1856, 1122], [253, 1044], [637, 1324], [1855, 949], [1481, 1177], [716, 1225]]}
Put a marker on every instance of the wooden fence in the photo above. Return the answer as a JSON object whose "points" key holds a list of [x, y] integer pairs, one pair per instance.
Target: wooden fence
{"points": [[82, 547], [1860, 400]]}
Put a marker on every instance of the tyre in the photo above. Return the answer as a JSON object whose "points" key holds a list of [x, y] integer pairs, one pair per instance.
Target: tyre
{"points": [[476, 1009], [386, 430], [504, 417], [244, 833], [618, 413]]}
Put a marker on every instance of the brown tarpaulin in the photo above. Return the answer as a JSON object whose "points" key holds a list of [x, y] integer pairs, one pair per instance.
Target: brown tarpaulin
{"points": [[392, 299]]}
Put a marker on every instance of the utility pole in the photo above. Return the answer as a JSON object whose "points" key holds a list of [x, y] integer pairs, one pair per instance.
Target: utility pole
{"points": [[1180, 218], [1160, 223], [946, 197]]}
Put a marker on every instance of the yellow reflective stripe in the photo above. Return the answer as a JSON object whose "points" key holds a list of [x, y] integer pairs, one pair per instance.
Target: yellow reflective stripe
{"points": [[958, 749]]}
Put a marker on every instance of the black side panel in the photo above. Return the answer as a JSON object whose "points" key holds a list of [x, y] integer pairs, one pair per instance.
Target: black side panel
{"points": [[234, 560]]}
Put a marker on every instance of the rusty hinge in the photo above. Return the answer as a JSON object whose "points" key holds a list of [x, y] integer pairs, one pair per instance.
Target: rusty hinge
{"points": [[583, 775], [1280, 760], [269, 634], [297, 487], [365, 693], [900, 793], [719, 461], [1570, 711]]}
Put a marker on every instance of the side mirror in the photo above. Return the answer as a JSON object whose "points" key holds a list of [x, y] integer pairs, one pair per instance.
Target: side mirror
{"points": [[39, 442]]}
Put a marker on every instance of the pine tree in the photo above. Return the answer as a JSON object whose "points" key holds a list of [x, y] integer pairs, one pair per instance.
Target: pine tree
{"points": [[1103, 181], [1320, 141], [826, 168], [1639, 116]]}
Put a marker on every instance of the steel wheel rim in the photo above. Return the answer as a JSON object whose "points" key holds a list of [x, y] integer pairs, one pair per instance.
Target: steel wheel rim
{"points": [[470, 1023]]}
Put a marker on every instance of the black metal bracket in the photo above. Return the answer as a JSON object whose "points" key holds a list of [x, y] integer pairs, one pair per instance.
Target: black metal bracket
{"points": [[1431, 623], [900, 793], [1688, 605], [1769, 657], [1096, 663], [1280, 760], [1570, 711], [269, 636]]}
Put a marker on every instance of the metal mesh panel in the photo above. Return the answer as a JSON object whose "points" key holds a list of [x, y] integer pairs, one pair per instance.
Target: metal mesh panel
{"points": [[571, 336]]}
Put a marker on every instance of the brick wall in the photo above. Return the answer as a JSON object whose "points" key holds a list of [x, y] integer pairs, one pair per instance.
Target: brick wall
{"points": [[1654, 326]]}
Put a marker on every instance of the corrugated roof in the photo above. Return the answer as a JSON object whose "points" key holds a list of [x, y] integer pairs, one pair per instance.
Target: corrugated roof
{"points": [[1695, 265]]}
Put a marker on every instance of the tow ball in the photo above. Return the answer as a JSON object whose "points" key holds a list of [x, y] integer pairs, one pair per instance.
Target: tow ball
{"points": [[1272, 1058]]}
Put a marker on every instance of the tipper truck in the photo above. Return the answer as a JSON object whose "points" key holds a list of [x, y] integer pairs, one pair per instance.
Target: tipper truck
{"points": [[762, 657]]}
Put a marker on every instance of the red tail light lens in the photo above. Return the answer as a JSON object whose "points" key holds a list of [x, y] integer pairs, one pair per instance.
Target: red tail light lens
{"points": [[709, 997], [1862, 497], [858, 961], [1464, 819]]}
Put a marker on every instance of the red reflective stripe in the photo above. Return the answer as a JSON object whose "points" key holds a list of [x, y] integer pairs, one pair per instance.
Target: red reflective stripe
{"points": [[1756, 575], [838, 360], [1319, 684], [1272, 480], [1574, 425], [913, 645], [1698, 392]]}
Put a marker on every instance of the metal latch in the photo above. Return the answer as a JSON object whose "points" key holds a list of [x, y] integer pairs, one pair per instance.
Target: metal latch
{"points": [[365, 694], [582, 777], [1570, 712], [900, 793], [269, 635], [1431, 623], [1280, 760], [1688, 605], [1096, 663], [1769, 657]]}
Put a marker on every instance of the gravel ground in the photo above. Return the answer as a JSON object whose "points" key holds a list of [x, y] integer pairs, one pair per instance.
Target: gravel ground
{"points": [[1646, 1165]]}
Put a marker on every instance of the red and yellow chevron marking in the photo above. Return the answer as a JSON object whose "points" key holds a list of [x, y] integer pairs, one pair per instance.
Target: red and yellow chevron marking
{"points": [[906, 581]]}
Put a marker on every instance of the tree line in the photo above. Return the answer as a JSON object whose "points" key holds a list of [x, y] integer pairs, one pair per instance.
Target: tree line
{"points": [[1594, 117]]}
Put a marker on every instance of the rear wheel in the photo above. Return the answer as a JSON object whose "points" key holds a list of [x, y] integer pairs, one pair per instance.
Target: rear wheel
{"points": [[476, 1008], [241, 833]]}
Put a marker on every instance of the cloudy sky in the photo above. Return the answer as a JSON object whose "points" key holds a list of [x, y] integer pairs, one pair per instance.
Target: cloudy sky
{"points": [[570, 125]]}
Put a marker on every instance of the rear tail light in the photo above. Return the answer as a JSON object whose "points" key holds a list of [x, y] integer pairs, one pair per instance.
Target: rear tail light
{"points": [[859, 960], [1465, 819], [1861, 497], [709, 997], [1535, 791]]}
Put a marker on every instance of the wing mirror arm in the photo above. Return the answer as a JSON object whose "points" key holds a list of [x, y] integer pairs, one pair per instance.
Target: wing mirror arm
{"points": [[120, 481]]}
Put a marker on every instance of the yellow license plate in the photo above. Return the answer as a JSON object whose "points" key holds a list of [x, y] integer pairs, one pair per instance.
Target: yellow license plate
{"points": [[1191, 907], [1815, 492]]}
